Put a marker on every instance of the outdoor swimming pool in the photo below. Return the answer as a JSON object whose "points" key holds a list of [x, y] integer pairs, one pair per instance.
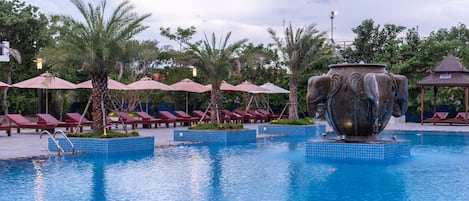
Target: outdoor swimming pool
{"points": [[271, 169]]}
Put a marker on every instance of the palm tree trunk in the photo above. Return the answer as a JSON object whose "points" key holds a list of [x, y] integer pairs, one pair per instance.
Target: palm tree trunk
{"points": [[215, 100], [293, 97], [99, 96]]}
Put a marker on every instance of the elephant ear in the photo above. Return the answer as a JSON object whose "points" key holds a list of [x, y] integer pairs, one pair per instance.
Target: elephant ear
{"points": [[401, 97], [318, 89]]}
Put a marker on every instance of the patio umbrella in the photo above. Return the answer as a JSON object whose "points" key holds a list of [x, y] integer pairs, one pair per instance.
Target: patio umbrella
{"points": [[188, 85], [4, 85], [45, 81], [225, 86], [271, 89], [147, 83], [249, 87], [111, 84]]}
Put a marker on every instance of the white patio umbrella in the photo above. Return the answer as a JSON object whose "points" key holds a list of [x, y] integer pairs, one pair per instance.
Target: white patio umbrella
{"points": [[45, 81]]}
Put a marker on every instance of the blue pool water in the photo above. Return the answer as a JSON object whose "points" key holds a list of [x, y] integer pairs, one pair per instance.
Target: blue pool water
{"points": [[271, 169]]}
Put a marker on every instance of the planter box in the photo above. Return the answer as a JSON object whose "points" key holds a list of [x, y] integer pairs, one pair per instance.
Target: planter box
{"points": [[292, 130], [105, 145], [215, 136], [336, 150]]}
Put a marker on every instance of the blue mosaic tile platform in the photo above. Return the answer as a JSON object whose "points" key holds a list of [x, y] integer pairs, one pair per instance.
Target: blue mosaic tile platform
{"points": [[292, 130], [335, 150], [105, 146], [211, 136]]}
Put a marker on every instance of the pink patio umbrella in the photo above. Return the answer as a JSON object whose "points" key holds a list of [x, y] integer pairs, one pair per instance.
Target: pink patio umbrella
{"points": [[225, 86], [4, 85], [147, 83], [188, 85], [111, 84], [248, 87], [45, 81]]}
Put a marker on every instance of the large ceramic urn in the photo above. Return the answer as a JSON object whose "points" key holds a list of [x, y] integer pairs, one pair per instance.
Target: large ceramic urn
{"points": [[357, 100]]}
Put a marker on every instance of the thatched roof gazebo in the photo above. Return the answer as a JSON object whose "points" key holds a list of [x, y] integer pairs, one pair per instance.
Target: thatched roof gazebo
{"points": [[448, 73]]}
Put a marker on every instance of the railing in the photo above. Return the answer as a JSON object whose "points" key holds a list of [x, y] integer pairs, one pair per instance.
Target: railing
{"points": [[66, 138], [60, 150]]}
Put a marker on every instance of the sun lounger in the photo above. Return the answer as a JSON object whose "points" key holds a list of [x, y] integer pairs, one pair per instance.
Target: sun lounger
{"points": [[437, 117], [145, 116], [270, 115], [260, 117], [460, 118], [231, 116], [184, 115], [20, 121], [146, 122], [201, 116], [6, 128], [76, 117], [246, 116], [170, 116], [49, 119]]}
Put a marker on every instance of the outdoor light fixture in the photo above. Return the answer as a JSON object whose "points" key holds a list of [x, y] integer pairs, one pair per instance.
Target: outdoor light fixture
{"points": [[194, 72], [333, 14], [38, 63]]}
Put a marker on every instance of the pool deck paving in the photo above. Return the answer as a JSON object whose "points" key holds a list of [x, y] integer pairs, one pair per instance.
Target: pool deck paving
{"points": [[27, 144]]}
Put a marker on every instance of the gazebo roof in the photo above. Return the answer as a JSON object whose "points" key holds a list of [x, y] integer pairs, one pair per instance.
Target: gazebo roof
{"points": [[449, 72], [450, 64]]}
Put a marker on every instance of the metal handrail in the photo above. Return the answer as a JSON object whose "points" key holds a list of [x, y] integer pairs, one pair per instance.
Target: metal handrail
{"points": [[65, 136], [59, 148]]}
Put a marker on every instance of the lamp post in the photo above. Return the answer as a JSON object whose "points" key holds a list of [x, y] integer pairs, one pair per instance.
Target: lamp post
{"points": [[38, 62], [333, 14]]}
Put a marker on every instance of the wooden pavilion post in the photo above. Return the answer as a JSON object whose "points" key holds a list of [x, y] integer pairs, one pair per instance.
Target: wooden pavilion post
{"points": [[435, 92], [466, 90], [422, 94]]}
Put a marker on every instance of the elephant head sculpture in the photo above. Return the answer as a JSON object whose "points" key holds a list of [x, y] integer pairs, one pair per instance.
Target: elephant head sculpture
{"points": [[357, 99]]}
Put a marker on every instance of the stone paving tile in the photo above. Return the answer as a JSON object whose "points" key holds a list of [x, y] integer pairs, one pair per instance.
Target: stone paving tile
{"points": [[27, 143]]}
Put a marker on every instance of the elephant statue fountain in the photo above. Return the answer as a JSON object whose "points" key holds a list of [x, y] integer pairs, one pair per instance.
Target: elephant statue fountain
{"points": [[357, 100]]}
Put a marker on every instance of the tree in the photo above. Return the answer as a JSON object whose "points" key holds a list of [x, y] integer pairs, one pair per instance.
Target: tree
{"points": [[375, 45], [100, 44], [26, 30], [302, 49], [214, 62]]}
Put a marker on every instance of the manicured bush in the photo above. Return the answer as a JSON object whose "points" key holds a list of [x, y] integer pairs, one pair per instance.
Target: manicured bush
{"points": [[305, 121], [216, 126], [100, 134]]}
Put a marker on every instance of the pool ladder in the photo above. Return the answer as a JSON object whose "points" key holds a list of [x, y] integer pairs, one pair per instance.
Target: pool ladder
{"points": [[56, 142]]}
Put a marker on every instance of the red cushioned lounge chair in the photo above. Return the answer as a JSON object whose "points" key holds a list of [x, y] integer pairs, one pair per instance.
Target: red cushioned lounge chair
{"points": [[49, 119], [184, 115], [170, 116], [145, 116], [437, 117], [22, 122]]}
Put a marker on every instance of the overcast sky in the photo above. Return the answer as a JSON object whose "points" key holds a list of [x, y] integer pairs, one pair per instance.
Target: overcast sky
{"points": [[251, 18]]}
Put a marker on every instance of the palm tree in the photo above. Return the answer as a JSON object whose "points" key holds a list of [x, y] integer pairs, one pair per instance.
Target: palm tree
{"points": [[214, 62], [100, 43], [302, 48]]}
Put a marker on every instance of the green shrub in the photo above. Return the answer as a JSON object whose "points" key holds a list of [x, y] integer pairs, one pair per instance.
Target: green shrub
{"points": [[216, 126], [100, 134], [305, 121]]}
